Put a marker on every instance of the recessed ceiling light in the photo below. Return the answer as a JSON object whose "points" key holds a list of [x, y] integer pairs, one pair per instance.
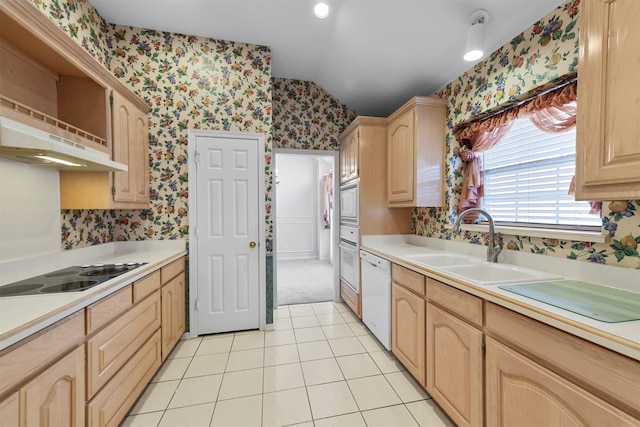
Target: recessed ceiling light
{"points": [[321, 10]]}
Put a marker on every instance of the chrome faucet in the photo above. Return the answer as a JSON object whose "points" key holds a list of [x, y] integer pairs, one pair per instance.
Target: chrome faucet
{"points": [[493, 250]]}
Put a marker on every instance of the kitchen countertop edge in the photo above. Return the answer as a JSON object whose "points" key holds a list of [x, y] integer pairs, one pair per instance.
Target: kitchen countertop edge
{"points": [[519, 304], [64, 305]]}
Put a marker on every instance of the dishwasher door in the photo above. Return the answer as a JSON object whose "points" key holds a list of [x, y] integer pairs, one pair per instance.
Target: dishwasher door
{"points": [[376, 296]]}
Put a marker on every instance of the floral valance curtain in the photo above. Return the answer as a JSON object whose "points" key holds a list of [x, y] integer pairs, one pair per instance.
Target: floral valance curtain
{"points": [[553, 111]]}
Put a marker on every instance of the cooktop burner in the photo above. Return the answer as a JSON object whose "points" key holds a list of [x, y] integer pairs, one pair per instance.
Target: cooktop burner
{"points": [[70, 279]]}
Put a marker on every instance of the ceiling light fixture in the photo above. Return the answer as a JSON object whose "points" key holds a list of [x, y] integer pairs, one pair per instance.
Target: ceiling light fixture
{"points": [[321, 10], [475, 35]]}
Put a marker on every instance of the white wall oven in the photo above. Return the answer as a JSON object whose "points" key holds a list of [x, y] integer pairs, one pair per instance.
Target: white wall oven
{"points": [[349, 204], [350, 257]]}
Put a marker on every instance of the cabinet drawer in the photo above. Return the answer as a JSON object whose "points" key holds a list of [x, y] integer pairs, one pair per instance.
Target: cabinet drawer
{"points": [[23, 360], [350, 298], [110, 348], [108, 308], [170, 271], [460, 303], [146, 286], [113, 402], [409, 279], [603, 372]]}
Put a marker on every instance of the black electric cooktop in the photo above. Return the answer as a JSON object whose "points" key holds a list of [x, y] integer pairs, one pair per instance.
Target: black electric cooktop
{"points": [[71, 279]]}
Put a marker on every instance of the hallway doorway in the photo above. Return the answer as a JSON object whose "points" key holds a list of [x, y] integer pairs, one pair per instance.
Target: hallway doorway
{"points": [[305, 227]]}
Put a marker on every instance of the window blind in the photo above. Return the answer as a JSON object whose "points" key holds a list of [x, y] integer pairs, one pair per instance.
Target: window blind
{"points": [[527, 176]]}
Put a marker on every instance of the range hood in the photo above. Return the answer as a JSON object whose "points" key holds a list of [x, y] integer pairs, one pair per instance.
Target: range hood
{"points": [[30, 145]]}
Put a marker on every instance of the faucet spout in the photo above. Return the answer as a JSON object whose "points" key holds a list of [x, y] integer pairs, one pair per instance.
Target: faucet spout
{"points": [[493, 249]]}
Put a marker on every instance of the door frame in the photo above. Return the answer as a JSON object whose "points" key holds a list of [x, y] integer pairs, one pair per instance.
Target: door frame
{"points": [[335, 218], [259, 139]]}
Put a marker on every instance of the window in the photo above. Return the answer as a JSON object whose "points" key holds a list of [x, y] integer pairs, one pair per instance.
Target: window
{"points": [[527, 176]]}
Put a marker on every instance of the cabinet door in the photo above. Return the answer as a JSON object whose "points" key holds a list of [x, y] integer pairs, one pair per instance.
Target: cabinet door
{"points": [[454, 363], [400, 160], [10, 410], [522, 393], [607, 148], [56, 397], [408, 330], [130, 146], [173, 317], [349, 153]]}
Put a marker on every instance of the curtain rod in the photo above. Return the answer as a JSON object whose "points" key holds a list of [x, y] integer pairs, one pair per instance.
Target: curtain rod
{"points": [[562, 82]]}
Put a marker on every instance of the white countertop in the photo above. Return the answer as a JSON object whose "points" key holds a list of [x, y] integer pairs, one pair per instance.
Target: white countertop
{"points": [[622, 337], [21, 316]]}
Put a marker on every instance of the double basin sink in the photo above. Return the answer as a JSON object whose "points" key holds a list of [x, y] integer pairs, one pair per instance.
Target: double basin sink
{"points": [[479, 272]]}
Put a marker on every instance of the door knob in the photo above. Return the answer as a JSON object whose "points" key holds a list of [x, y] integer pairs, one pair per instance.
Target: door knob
{"points": [[252, 244]]}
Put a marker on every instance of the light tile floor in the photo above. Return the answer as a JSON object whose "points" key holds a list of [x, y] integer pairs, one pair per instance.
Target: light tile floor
{"points": [[320, 367]]}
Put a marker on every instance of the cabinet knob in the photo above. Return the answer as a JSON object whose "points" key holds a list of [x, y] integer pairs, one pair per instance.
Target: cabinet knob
{"points": [[252, 244]]}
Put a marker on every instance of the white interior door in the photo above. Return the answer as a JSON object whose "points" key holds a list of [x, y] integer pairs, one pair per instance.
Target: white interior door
{"points": [[227, 233]]}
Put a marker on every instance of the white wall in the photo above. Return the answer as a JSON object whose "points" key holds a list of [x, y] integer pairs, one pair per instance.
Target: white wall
{"points": [[324, 165], [30, 221], [299, 207], [296, 207]]}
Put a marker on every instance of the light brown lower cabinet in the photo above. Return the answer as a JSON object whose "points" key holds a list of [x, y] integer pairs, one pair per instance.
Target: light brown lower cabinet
{"points": [[10, 409], [522, 393], [43, 378], [76, 373], [56, 396], [172, 277], [408, 330], [454, 363], [351, 298], [530, 374], [113, 401], [113, 346], [53, 398], [173, 318]]}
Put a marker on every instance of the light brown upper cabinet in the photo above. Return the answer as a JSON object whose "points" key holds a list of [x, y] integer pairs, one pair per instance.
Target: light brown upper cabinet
{"points": [[363, 152], [415, 153], [130, 146], [49, 82], [607, 147], [45, 88], [115, 190], [349, 147]]}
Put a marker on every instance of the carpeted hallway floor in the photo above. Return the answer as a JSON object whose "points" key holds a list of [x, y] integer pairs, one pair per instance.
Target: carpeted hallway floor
{"points": [[304, 281]]}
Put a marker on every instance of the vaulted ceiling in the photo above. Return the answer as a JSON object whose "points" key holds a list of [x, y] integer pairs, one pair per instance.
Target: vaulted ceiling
{"points": [[372, 55]]}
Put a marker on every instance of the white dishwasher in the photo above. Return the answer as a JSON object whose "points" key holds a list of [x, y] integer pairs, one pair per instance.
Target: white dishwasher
{"points": [[376, 296]]}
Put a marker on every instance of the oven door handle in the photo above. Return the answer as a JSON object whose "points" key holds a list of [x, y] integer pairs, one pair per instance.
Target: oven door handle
{"points": [[345, 244]]}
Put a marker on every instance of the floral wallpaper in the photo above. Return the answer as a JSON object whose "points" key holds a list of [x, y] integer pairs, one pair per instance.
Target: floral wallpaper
{"points": [[305, 116], [188, 82], [191, 82], [196, 82], [80, 20], [544, 53]]}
